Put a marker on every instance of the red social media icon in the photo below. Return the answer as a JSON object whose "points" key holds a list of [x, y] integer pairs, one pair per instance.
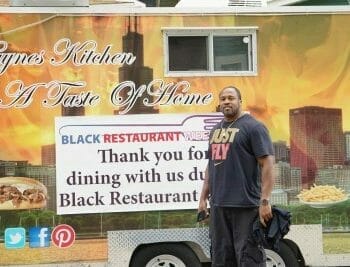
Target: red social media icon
{"points": [[63, 236]]}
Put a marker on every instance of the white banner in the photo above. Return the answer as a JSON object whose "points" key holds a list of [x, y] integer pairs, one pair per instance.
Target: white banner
{"points": [[131, 162]]}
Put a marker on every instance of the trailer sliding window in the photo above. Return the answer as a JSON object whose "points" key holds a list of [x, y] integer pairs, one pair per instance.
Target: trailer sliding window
{"points": [[210, 51]]}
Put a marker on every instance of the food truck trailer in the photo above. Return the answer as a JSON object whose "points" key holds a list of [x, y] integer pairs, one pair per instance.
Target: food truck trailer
{"points": [[105, 115]]}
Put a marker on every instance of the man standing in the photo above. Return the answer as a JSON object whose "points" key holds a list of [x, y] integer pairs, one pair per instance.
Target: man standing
{"points": [[238, 182]]}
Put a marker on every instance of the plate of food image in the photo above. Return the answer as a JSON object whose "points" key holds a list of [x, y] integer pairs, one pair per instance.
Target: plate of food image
{"points": [[322, 196]]}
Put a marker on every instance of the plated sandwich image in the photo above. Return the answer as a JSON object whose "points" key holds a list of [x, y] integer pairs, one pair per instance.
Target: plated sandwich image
{"points": [[22, 193]]}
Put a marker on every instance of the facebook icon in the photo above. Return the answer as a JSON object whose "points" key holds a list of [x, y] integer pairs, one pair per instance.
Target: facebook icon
{"points": [[39, 237]]}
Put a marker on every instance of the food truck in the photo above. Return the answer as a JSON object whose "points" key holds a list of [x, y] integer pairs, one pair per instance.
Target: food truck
{"points": [[105, 115]]}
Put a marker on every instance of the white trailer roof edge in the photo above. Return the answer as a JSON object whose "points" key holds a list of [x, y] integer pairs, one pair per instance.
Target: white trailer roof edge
{"points": [[96, 10]]}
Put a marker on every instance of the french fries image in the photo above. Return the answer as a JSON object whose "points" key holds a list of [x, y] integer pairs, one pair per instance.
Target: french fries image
{"points": [[322, 193]]}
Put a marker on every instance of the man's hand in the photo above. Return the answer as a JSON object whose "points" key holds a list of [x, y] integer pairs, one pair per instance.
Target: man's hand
{"points": [[203, 205], [203, 213], [265, 214], [203, 200]]}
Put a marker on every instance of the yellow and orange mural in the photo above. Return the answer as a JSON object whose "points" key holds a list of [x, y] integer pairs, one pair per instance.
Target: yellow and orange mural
{"points": [[302, 61]]}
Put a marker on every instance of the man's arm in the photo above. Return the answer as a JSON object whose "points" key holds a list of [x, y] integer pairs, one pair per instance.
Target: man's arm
{"points": [[267, 182], [203, 200]]}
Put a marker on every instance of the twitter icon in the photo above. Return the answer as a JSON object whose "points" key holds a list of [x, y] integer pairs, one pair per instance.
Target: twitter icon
{"points": [[15, 237]]}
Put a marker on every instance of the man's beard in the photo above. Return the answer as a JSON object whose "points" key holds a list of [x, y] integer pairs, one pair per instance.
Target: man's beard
{"points": [[231, 113]]}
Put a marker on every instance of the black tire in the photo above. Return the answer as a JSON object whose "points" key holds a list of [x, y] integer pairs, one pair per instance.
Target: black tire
{"points": [[165, 255], [285, 257], [294, 247]]}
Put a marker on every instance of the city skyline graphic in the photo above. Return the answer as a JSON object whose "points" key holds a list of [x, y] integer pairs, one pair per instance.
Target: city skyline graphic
{"points": [[317, 155]]}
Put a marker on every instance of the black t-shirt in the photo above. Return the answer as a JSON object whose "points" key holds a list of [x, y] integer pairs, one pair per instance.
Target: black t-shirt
{"points": [[234, 174]]}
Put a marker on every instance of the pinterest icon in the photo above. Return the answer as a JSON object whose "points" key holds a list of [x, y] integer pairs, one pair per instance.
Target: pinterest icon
{"points": [[63, 236]]}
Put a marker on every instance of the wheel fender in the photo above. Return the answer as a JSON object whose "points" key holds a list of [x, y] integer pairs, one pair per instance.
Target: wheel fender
{"points": [[179, 252]]}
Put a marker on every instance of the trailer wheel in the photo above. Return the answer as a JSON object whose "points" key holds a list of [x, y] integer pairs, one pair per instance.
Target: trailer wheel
{"points": [[165, 255], [294, 247], [285, 257]]}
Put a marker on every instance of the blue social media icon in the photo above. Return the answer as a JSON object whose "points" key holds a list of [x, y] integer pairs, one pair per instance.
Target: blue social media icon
{"points": [[15, 237], [39, 237]]}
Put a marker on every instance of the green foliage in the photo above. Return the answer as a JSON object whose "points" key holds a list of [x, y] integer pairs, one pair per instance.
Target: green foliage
{"points": [[337, 216], [334, 217]]}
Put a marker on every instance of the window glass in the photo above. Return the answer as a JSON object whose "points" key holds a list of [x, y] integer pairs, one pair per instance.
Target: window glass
{"points": [[231, 53], [188, 53]]}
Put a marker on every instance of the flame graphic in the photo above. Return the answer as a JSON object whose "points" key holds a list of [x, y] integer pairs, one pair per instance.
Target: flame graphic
{"points": [[302, 61]]}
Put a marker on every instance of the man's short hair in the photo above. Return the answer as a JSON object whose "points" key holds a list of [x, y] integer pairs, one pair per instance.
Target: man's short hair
{"points": [[234, 88]]}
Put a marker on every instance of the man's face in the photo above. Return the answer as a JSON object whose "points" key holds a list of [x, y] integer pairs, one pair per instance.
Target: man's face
{"points": [[230, 104]]}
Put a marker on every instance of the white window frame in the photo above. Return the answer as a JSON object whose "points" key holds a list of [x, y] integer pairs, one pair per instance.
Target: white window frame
{"points": [[210, 32]]}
